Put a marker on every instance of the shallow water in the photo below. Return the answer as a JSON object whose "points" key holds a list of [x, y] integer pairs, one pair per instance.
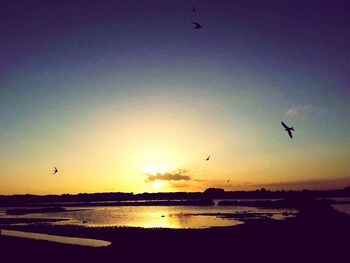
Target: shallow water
{"points": [[151, 216], [344, 208], [58, 239]]}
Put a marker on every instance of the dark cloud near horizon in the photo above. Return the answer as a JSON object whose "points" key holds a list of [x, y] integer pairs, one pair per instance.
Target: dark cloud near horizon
{"points": [[311, 184], [178, 175], [179, 184]]}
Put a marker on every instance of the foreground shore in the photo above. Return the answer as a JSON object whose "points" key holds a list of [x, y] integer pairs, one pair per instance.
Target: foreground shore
{"points": [[317, 233]]}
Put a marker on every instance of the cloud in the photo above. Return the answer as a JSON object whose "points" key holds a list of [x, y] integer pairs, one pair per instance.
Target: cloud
{"points": [[292, 112], [307, 109], [311, 184], [179, 184], [178, 175], [297, 111], [201, 180]]}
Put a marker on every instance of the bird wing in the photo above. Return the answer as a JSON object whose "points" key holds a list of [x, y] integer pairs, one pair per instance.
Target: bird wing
{"points": [[290, 134], [196, 25], [284, 125]]}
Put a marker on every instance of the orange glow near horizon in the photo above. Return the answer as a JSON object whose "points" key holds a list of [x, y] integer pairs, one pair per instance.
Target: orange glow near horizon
{"points": [[101, 155]]}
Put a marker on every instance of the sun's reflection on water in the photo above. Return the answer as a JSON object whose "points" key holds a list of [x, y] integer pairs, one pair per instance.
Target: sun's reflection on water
{"points": [[151, 216]]}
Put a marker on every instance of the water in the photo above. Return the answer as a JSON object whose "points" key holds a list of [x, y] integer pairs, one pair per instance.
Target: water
{"points": [[338, 199], [344, 208], [150, 216], [58, 239]]}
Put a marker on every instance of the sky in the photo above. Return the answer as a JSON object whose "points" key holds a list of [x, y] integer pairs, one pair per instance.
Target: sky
{"points": [[126, 96]]}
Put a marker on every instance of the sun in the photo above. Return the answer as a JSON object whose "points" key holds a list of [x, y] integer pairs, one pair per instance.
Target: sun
{"points": [[157, 184]]}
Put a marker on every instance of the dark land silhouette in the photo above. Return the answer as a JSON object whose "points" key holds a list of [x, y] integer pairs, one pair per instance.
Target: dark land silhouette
{"points": [[174, 198]]}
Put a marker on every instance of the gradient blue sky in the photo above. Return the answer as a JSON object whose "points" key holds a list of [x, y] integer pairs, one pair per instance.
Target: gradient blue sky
{"points": [[112, 91]]}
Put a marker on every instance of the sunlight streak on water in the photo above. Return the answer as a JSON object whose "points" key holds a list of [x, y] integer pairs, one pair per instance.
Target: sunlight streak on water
{"points": [[58, 239]]}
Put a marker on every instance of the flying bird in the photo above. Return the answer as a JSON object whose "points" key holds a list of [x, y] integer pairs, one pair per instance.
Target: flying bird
{"points": [[288, 129], [207, 159], [196, 25], [55, 171], [228, 181]]}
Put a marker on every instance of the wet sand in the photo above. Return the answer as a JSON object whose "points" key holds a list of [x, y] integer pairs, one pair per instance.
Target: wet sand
{"points": [[318, 233]]}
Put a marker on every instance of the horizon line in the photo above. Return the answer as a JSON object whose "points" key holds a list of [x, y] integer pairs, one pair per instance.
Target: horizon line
{"points": [[262, 189]]}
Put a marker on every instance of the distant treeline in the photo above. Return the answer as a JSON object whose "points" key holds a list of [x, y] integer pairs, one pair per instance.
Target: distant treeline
{"points": [[210, 193]]}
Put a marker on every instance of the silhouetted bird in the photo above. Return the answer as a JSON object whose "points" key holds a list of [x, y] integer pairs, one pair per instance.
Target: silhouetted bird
{"points": [[196, 25], [288, 129], [193, 9], [55, 171], [207, 159], [228, 181]]}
